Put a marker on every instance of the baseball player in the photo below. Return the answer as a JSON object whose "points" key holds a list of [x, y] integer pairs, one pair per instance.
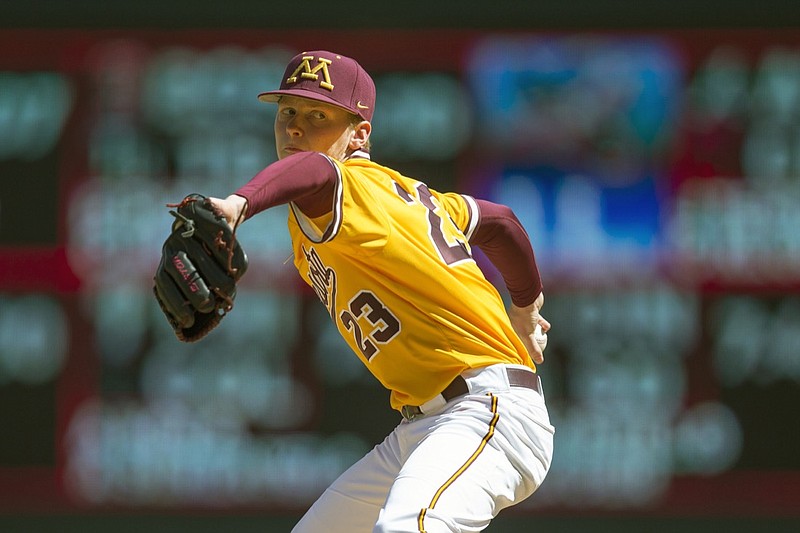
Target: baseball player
{"points": [[391, 261]]}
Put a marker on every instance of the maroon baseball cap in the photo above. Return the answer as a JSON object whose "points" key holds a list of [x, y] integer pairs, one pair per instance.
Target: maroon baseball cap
{"points": [[330, 78]]}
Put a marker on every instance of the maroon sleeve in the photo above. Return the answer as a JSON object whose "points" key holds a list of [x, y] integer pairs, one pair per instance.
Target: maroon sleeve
{"points": [[505, 242], [308, 179]]}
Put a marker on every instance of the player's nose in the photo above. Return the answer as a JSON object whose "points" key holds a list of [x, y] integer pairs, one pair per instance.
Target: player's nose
{"points": [[294, 127]]}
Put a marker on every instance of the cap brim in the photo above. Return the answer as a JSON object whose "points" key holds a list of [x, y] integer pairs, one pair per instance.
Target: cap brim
{"points": [[274, 96]]}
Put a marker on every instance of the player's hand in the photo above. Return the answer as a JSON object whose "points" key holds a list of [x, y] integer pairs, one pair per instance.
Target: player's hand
{"points": [[524, 321], [234, 208]]}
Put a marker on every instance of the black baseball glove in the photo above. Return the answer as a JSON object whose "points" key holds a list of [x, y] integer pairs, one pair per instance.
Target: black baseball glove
{"points": [[201, 262]]}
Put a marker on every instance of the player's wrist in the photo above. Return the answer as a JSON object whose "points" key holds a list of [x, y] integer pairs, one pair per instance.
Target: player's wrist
{"points": [[236, 209]]}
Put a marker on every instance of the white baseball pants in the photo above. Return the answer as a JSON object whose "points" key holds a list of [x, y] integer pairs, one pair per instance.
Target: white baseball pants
{"points": [[452, 470]]}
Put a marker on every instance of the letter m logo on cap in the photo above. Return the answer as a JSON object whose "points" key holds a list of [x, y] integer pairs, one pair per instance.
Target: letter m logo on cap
{"points": [[306, 72]]}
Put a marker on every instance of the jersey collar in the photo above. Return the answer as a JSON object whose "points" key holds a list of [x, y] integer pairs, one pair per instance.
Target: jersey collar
{"points": [[359, 154]]}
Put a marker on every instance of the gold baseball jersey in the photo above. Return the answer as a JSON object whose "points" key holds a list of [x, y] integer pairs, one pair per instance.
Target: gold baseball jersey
{"points": [[393, 267]]}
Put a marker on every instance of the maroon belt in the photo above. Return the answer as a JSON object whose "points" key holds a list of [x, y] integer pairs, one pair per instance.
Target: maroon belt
{"points": [[517, 377]]}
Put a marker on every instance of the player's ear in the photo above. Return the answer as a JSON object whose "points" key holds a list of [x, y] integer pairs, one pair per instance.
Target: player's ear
{"points": [[360, 137]]}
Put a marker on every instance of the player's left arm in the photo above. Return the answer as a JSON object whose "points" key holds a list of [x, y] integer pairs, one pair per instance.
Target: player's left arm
{"points": [[504, 241], [308, 179]]}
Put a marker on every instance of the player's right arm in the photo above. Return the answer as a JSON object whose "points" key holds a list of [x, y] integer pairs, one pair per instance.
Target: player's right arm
{"points": [[500, 235]]}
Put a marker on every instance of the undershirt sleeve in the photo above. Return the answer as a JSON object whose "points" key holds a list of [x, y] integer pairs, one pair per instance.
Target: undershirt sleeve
{"points": [[505, 242], [308, 179]]}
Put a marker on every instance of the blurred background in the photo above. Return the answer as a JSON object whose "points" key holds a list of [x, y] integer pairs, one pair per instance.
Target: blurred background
{"points": [[652, 151]]}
